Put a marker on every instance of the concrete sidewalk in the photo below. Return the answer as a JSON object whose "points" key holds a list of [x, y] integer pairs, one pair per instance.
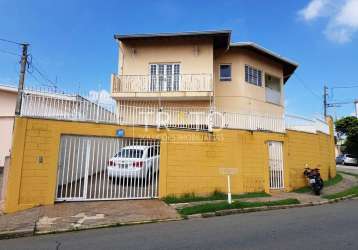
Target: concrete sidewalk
{"points": [[84, 215]]}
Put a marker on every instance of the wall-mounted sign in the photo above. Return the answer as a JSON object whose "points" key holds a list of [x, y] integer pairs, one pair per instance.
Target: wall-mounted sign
{"points": [[120, 133]]}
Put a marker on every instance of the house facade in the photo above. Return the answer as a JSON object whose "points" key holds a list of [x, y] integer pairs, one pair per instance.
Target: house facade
{"points": [[202, 70]]}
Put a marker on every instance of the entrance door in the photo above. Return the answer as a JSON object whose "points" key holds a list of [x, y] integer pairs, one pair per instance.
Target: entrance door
{"points": [[276, 165]]}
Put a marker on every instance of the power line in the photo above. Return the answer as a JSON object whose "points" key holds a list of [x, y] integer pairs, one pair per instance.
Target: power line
{"points": [[344, 87], [306, 87], [9, 52], [43, 75], [9, 41]]}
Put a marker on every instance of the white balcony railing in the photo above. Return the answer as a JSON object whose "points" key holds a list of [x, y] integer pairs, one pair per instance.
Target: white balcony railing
{"points": [[77, 108], [162, 83]]}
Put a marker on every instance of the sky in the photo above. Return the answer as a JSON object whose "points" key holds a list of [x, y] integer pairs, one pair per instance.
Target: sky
{"points": [[72, 45]]}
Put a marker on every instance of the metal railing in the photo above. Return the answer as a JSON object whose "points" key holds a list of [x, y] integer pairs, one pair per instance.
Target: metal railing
{"points": [[65, 107], [300, 123], [162, 83], [78, 108]]}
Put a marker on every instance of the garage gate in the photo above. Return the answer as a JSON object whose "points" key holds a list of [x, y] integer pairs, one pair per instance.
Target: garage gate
{"points": [[107, 168]]}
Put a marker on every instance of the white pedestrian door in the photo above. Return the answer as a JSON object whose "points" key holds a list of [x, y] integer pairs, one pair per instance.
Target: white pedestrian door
{"points": [[276, 165]]}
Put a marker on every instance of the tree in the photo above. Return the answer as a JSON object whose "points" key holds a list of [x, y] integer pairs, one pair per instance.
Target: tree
{"points": [[348, 126]]}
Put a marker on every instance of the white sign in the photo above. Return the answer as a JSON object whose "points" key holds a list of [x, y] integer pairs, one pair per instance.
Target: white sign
{"points": [[228, 171]]}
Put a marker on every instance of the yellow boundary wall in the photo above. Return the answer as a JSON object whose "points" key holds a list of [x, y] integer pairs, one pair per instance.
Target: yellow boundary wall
{"points": [[189, 161]]}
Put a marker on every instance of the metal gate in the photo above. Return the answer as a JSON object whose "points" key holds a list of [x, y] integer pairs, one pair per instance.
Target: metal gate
{"points": [[276, 165], [107, 168]]}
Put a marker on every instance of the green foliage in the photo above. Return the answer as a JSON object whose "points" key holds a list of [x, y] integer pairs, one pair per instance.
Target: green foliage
{"points": [[213, 207], [350, 191], [349, 126], [216, 195]]}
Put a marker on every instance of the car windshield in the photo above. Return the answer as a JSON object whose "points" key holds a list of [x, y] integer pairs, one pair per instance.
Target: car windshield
{"points": [[130, 153], [350, 156]]}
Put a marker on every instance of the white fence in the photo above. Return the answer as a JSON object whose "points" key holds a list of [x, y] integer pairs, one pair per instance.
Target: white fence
{"points": [[299, 123], [65, 107], [77, 108]]}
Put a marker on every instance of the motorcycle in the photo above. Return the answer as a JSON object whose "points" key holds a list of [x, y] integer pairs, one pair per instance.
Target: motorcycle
{"points": [[315, 180]]}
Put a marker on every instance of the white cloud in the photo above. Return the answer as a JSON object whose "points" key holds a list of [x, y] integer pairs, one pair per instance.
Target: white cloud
{"points": [[313, 10], [341, 15], [103, 97]]}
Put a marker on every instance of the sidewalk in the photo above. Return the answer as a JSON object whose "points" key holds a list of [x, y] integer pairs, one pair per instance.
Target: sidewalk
{"points": [[83, 215]]}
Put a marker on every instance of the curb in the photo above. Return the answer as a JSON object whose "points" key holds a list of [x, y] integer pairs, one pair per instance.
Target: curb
{"points": [[16, 234], [89, 227], [266, 208]]}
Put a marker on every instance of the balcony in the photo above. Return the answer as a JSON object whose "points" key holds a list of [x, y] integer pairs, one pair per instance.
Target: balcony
{"points": [[176, 86]]}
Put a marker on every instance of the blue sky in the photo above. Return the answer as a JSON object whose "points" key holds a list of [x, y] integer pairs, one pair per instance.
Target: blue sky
{"points": [[73, 40]]}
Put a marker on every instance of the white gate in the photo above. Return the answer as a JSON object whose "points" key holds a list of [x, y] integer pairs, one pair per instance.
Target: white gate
{"points": [[107, 168], [276, 165]]}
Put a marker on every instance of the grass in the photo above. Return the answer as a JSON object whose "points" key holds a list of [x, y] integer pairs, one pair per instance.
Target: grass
{"points": [[216, 195], [350, 191], [213, 207], [327, 183]]}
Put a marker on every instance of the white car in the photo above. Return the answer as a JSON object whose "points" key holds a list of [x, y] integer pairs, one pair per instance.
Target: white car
{"points": [[136, 161], [349, 160]]}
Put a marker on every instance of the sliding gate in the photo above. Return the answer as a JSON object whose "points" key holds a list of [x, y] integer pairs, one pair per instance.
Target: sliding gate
{"points": [[107, 168]]}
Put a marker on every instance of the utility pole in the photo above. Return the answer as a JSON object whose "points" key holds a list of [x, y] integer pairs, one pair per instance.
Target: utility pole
{"points": [[325, 105], [21, 78]]}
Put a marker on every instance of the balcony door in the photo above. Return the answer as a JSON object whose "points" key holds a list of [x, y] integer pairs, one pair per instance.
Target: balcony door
{"points": [[164, 77]]}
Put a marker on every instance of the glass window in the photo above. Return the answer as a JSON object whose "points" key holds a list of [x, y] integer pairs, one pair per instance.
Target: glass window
{"points": [[225, 72], [253, 75], [132, 153]]}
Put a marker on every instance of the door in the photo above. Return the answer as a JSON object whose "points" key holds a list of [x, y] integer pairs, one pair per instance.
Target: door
{"points": [[164, 77], [276, 165]]}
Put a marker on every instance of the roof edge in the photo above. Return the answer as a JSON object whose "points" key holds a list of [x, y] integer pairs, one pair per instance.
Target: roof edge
{"points": [[263, 49], [172, 34]]}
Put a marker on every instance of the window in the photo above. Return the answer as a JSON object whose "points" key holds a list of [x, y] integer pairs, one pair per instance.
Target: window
{"points": [[225, 72], [164, 77], [253, 75]]}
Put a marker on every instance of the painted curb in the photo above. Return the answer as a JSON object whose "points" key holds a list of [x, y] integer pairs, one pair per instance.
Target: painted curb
{"points": [[267, 208]]}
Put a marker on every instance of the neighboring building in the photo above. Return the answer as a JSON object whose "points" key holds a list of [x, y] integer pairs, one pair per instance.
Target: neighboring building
{"points": [[200, 69], [38, 103], [8, 96]]}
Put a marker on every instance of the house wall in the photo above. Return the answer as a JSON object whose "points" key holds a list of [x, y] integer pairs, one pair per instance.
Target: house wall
{"points": [[189, 160], [7, 112], [239, 96], [136, 56]]}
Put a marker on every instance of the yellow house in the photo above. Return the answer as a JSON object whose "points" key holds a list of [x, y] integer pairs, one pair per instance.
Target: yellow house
{"points": [[200, 69], [224, 101]]}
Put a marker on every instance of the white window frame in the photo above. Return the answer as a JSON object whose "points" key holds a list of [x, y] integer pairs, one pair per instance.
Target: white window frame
{"points": [[162, 81], [250, 78], [225, 79]]}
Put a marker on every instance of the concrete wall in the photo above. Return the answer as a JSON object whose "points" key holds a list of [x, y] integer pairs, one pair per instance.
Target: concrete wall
{"points": [[7, 112], [189, 161]]}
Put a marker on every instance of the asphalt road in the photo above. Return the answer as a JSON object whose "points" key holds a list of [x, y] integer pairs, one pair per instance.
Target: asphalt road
{"points": [[333, 226]]}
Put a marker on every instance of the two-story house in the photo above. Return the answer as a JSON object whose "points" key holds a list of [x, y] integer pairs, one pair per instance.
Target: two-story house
{"points": [[200, 70]]}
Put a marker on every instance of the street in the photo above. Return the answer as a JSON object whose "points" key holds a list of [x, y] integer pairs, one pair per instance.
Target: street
{"points": [[331, 226]]}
